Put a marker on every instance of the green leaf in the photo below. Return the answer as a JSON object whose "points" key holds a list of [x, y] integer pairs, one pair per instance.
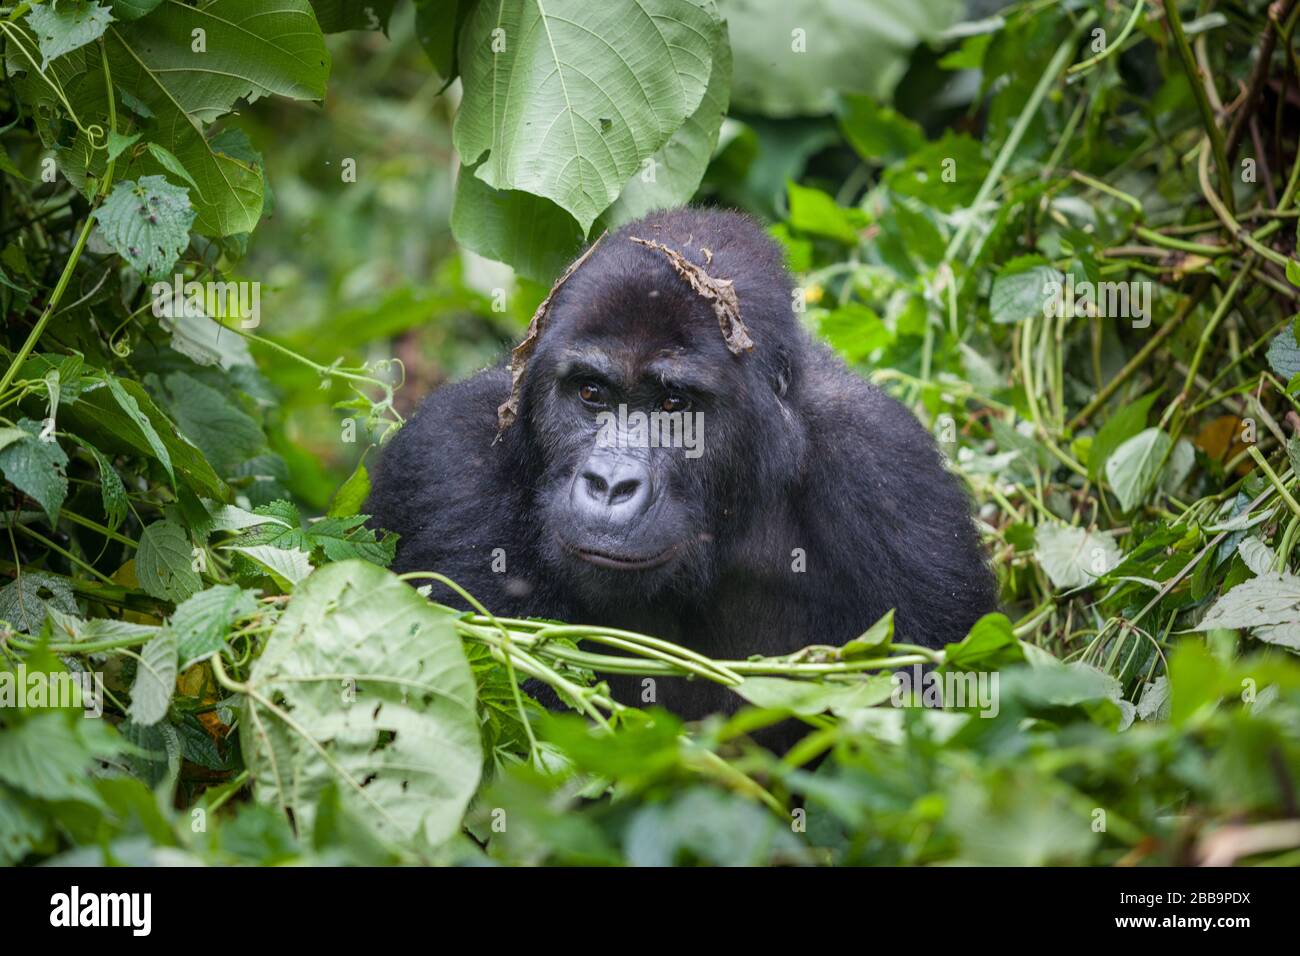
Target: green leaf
{"points": [[855, 330], [25, 600], [132, 9], [813, 211], [66, 25], [1126, 422], [201, 621], [120, 389], [437, 24], [1022, 289], [163, 562], [286, 566], [1074, 557], [36, 467], [49, 757], [989, 644], [352, 494], [565, 100], [147, 223], [806, 698], [1284, 355], [404, 749], [847, 46], [679, 166], [535, 236], [112, 491], [1132, 469], [1267, 605], [221, 430], [120, 418], [873, 640], [335, 16], [249, 51], [155, 680], [877, 132]]}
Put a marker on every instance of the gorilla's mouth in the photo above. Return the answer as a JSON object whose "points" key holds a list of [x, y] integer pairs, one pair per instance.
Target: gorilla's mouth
{"points": [[623, 562]]}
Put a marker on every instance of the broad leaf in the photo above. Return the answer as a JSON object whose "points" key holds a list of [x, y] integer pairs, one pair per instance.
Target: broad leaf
{"points": [[363, 684], [147, 223], [565, 99], [1132, 469], [163, 562]]}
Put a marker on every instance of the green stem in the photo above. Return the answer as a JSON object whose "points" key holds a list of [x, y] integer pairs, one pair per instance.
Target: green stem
{"points": [[1208, 119]]}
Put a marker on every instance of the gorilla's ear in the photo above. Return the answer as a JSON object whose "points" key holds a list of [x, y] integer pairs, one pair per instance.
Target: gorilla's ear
{"points": [[782, 372]]}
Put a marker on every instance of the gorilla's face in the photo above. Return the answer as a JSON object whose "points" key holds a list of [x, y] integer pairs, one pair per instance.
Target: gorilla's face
{"points": [[649, 433]]}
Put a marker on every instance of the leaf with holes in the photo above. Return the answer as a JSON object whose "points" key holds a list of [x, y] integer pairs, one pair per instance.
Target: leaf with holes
{"points": [[404, 749], [63, 27], [147, 223]]}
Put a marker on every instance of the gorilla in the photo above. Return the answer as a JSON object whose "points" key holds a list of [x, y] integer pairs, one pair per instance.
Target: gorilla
{"points": [[782, 502]]}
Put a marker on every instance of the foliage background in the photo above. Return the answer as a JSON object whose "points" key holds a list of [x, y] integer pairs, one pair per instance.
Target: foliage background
{"points": [[1135, 483]]}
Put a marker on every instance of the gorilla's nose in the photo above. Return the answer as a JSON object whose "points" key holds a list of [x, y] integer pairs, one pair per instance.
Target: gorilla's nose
{"points": [[612, 488]]}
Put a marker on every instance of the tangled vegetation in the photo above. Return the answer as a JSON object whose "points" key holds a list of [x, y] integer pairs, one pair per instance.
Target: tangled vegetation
{"points": [[1065, 234]]}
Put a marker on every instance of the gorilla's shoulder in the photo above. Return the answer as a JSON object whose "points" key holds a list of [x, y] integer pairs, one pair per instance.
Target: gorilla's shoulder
{"points": [[420, 487]]}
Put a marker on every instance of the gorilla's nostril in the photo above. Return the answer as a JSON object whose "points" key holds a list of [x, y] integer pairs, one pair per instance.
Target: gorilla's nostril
{"points": [[624, 490]]}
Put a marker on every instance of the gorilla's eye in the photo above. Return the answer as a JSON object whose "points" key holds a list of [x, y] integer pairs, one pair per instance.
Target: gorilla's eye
{"points": [[675, 403], [591, 393]]}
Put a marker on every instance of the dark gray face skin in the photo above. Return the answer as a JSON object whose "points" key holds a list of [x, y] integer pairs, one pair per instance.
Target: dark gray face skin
{"points": [[625, 524]]}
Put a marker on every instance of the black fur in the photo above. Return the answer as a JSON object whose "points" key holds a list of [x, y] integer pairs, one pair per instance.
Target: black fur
{"points": [[798, 453]]}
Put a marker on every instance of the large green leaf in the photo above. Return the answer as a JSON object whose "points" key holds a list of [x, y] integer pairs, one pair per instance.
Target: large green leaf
{"points": [[856, 46], [565, 99], [403, 749], [535, 236], [248, 51], [137, 426], [680, 165]]}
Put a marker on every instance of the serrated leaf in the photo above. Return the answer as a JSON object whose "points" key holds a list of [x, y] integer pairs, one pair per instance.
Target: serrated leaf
{"points": [[406, 754], [250, 50], [1284, 355], [561, 100], [1132, 469], [1257, 556], [112, 491], [130, 405], [25, 600], [163, 562], [202, 621], [67, 25], [1074, 557], [147, 223], [155, 680], [1267, 605], [287, 566], [119, 417], [1022, 289], [36, 468], [223, 432]]}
